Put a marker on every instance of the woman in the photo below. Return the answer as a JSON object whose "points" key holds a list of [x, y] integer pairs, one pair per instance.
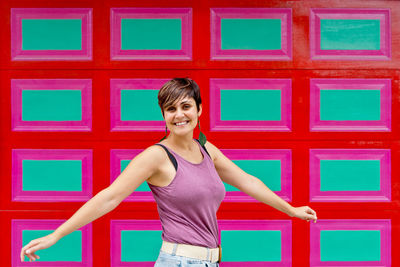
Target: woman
{"points": [[185, 176]]}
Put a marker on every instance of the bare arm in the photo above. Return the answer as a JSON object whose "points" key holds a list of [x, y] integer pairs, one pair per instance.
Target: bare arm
{"points": [[231, 174], [142, 167]]}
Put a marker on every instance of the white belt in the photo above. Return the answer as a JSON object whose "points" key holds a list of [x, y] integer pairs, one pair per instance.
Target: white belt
{"points": [[190, 251]]}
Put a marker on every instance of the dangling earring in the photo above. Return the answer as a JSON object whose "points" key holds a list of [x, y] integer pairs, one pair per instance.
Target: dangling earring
{"points": [[166, 132], [202, 137]]}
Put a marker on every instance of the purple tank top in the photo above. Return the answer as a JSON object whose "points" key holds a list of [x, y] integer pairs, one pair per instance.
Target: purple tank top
{"points": [[188, 205]]}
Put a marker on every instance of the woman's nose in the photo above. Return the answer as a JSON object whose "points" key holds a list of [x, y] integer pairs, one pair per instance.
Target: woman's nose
{"points": [[179, 113]]}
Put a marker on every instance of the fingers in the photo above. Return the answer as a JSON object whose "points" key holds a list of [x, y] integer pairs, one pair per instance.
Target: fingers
{"points": [[29, 251], [25, 248], [31, 256], [310, 214], [313, 213], [306, 213]]}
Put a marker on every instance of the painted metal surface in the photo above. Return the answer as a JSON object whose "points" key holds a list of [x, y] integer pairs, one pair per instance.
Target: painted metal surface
{"points": [[299, 66]]}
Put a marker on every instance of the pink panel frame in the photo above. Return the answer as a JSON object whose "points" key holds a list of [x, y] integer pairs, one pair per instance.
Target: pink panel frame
{"points": [[16, 243], [116, 155], [383, 225], [284, 125], [284, 14], [116, 85], [383, 125], [85, 155], [383, 15], [117, 226], [285, 226], [284, 155], [185, 14], [18, 85], [383, 155], [84, 14]]}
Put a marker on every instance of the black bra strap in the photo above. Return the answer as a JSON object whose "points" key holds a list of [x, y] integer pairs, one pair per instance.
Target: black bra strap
{"points": [[204, 147], [171, 157]]}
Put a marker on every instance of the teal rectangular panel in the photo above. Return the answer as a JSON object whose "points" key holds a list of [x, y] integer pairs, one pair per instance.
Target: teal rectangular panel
{"points": [[251, 105], [51, 34], [140, 105], [350, 34], [143, 187], [140, 245], [51, 175], [69, 248], [151, 34], [350, 175], [268, 171], [350, 105], [51, 105], [350, 245], [251, 34], [261, 245]]}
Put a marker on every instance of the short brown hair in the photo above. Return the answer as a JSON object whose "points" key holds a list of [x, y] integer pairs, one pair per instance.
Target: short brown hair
{"points": [[176, 89]]}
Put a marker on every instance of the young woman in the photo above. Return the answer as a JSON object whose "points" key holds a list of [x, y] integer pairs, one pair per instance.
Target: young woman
{"points": [[185, 176]]}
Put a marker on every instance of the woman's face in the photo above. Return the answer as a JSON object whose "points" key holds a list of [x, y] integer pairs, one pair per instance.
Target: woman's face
{"points": [[182, 116]]}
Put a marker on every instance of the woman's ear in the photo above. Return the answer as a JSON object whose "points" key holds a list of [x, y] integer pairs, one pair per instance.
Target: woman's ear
{"points": [[200, 110]]}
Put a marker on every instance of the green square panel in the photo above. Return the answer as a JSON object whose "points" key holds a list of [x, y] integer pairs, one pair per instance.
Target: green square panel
{"points": [[68, 248], [350, 175], [140, 245], [51, 34], [151, 34], [261, 245], [268, 171], [251, 105], [350, 34], [140, 105], [251, 34], [350, 105], [51, 175], [51, 105], [350, 245], [143, 187]]}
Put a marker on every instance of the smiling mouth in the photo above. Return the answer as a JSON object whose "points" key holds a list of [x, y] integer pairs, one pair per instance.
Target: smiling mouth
{"points": [[181, 123]]}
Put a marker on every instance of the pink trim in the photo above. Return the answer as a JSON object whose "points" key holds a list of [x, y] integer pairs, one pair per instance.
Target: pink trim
{"points": [[383, 125], [384, 226], [284, 155], [116, 85], [284, 14], [84, 14], [119, 225], [85, 155], [185, 14], [18, 85], [284, 125], [316, 14], [383, 195], [17, 226], [285, 226], [116, 155]]}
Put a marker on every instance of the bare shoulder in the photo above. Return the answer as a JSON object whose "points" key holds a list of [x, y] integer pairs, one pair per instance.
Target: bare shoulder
{"points": [[154, 154], [212, 150]]}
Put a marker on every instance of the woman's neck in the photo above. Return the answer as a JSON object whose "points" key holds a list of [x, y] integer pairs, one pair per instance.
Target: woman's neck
{"points": [[183, 143]]}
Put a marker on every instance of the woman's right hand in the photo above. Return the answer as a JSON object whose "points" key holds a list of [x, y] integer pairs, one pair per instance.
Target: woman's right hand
{"points": [[37, 244]]}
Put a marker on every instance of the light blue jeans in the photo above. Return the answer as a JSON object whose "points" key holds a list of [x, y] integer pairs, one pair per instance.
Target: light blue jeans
{"points": [[172, 260]]}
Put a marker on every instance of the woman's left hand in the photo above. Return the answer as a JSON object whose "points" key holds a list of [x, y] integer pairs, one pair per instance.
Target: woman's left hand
{"points": [[304, 213]]}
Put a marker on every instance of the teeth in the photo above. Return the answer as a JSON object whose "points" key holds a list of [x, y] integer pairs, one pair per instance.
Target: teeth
{"points": [[180, 123]]}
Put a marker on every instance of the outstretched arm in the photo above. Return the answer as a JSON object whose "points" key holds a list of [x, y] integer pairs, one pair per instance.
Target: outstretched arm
{"points": [[231, 174], [142, 167]]}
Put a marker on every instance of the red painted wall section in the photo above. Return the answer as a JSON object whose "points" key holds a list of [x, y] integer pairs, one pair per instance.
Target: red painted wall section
{"points": [[300, 69]]}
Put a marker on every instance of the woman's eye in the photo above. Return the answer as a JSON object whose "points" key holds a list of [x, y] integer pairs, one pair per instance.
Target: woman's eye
{"points": [[186, 106]]}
